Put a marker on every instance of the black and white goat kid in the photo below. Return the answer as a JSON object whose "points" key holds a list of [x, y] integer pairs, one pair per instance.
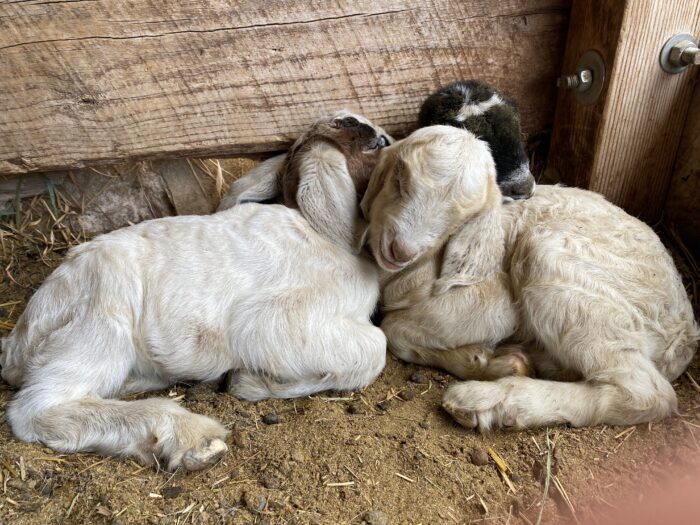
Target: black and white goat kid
{"points": [[476, 107]]}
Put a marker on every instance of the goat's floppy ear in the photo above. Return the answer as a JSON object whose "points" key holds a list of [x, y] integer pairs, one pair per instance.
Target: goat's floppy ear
{"points": [[327, 198], [473, 252], [258, 185]]}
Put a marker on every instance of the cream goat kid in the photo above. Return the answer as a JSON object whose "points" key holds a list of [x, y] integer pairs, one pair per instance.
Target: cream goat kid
{"points": [[277, 294], [589, 290]]}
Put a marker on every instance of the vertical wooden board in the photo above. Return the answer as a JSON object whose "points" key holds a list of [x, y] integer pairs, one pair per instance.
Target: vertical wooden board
{"points": [[683, 202], [594, 24], [624, 146], [101, 81], [644, 124]]}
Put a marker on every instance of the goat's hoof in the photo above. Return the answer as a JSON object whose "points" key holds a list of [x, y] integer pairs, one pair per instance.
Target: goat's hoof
{"points": [[466, 418], [520, 364], [198, 458], [476, 405]]}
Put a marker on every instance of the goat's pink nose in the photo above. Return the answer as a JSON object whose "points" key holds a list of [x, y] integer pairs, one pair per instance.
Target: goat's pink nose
{"points": [[402, 252]]}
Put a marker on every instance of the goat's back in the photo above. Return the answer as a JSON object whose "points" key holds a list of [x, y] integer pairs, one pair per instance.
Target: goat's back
{"points": [[179, 282], [612, 264]]}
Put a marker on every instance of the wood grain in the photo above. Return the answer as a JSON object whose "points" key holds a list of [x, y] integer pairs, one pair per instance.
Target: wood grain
{"points": [[87, 82], [683, 202], [625, 145]]}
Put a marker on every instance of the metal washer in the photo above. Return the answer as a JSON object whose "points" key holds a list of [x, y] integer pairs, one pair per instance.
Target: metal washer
{"points": [[665, 55], [593, 61]]}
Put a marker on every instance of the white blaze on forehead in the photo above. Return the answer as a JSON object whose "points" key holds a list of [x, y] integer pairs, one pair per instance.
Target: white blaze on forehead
{"points": [[474, 109]]}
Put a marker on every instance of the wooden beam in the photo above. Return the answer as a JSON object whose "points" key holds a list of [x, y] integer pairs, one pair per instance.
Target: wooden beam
{"points": [[87, 82], [624, 146], [683, 201]]}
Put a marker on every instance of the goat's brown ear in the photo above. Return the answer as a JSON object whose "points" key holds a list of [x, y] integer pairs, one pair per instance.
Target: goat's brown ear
{"points": [[258, 185], [474, 252], [327, 198]]}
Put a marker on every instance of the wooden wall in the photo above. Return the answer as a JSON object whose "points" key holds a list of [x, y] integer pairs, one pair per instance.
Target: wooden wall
{"points": [[683, 202], [624, 146], [89, 82]]}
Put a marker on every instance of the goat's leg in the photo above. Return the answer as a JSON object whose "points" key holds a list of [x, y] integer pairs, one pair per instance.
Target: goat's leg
{"points": [[344, 355], [471, 361], [422, 337], [62, 403], [634, 394]]}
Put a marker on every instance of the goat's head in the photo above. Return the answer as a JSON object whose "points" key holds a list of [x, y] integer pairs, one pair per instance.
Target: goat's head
{"points": [[324, 175], [424, 189], [479, 108]]}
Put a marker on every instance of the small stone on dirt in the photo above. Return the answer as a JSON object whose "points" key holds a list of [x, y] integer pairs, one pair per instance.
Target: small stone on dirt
{"points": [[254, 502], [240, 439], [384, 405], [270, 419], [419, 377], [479, 457], [408, 395], [270, 482], [17, 484], [355, 408], [376, 517], [170, 492]]}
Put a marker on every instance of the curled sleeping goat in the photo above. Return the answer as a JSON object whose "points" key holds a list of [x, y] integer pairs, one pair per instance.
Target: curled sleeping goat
{"points": [[585, 292], [277, 294]]}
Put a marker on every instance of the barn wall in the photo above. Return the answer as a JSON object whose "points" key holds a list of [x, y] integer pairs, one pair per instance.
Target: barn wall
{"points": [[102, 81], [683, 202]]}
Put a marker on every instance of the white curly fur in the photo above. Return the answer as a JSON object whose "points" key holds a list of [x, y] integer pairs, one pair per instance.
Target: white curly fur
{"points": [[274, 293], [586, 292]]}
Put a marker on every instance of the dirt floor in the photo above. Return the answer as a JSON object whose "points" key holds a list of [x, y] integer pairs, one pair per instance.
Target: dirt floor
{"points": [[386, 455]]}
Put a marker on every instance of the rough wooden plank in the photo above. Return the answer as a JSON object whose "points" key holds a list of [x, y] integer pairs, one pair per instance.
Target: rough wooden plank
{"points": [[625, 145], [100, 81], [683, 202]]}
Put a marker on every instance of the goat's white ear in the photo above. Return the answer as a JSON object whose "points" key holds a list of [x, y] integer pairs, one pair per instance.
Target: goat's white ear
{"points": [[259, 184], [473, 252], [327, 198]]}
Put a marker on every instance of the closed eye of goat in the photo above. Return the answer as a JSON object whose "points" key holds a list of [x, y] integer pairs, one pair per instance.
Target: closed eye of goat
{"points": [[587, 293], [275, 293]]}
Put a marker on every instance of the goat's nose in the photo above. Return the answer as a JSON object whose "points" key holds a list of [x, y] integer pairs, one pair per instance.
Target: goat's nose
{"points": [[402, 252]]}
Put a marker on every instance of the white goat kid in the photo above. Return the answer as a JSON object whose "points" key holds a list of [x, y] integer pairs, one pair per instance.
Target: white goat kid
{"points": [[277, 294], [589, 290]]}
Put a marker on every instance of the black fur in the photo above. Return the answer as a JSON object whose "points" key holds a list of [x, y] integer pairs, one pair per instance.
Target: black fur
{"points": [[499, 127]]}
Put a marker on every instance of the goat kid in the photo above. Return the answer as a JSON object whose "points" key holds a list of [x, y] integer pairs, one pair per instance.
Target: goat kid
{"points": [[476, 107], [275, 293], [589, 291]]}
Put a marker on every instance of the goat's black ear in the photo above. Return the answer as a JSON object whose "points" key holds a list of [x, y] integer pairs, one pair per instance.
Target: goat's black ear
{"points": [[258, 185], [473, 252], [327, 198]]}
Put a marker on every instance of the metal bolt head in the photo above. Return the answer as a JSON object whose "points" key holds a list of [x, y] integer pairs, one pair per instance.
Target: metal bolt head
{"points": [[585, 76], [675, 56], [580, 81]]}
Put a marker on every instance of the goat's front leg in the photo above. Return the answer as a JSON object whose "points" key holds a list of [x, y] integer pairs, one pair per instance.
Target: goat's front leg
{"points": [[458, 332]]}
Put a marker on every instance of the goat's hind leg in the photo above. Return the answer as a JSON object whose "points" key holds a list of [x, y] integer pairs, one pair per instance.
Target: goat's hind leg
{"points": [[634, 393], [62, 403]]}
